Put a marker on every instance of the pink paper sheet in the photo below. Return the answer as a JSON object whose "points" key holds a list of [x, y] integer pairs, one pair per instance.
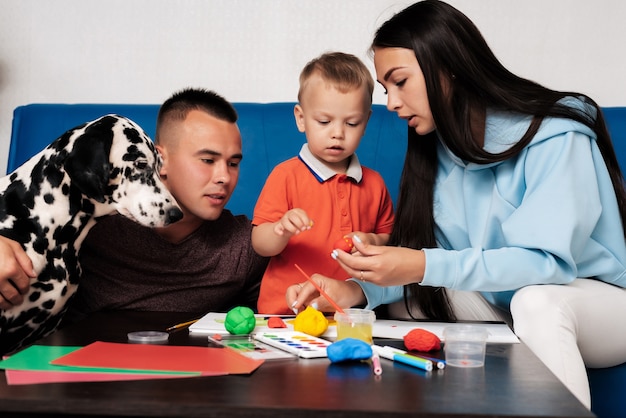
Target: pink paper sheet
{"points": [[27, 377]]}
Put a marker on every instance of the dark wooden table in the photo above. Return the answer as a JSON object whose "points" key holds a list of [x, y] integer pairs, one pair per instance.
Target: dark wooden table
{"points": [[513, 383]]}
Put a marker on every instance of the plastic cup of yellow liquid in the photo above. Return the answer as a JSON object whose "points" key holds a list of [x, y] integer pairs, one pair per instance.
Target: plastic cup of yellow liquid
{"points": [[355, 323]]}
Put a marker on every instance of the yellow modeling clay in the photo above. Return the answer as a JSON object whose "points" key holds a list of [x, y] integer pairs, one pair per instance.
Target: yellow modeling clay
{"points": [[311, 321]]}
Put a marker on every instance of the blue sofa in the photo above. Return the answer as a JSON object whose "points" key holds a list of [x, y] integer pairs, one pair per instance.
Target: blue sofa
{"points": [[268, 130], [269, 137]]}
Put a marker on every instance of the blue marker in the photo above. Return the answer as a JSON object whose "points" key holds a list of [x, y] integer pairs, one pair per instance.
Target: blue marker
{"points": [[391, 353], [440, 363]]}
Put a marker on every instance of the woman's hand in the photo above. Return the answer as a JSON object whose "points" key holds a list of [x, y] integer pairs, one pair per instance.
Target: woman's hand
{"points": [[16, 269], [345, 294], [382, 265]]}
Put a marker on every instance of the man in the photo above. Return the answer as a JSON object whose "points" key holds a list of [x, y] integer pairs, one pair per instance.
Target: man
{"points": [[202, 263]]}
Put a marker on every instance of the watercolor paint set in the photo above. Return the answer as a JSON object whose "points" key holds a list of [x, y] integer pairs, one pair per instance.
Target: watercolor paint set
{"points": [[298, 343]]}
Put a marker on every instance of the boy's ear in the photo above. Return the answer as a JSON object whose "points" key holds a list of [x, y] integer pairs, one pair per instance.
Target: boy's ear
{"points": [[298, 113]]}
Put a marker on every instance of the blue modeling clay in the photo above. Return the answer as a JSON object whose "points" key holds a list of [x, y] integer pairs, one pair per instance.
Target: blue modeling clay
{"points": [[349, 349]]}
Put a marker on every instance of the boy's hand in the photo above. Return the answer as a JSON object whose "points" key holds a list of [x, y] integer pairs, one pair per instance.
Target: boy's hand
{"points": [[293, 222]]}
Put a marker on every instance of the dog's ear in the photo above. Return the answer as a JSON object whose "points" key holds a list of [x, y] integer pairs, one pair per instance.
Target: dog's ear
{"points": [[88, 163]]}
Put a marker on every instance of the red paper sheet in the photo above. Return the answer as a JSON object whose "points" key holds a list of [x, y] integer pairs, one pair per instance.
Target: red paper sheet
{"points": [[160, 357]]}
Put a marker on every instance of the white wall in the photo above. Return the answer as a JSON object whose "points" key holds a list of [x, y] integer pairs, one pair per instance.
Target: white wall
{"points": [[140, 51]]}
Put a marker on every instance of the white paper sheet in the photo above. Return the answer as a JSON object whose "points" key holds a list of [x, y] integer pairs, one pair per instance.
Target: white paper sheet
{"points": [[499, 332]]}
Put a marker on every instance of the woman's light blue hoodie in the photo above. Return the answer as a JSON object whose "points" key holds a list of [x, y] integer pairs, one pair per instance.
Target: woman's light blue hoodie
{"points": [[547, 216]]}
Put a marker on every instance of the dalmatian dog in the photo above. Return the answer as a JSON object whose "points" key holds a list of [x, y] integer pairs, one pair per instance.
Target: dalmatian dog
{"points": [[51, 202]]}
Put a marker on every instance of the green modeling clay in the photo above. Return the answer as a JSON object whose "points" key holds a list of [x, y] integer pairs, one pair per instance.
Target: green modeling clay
{"points": [[240, 320]]}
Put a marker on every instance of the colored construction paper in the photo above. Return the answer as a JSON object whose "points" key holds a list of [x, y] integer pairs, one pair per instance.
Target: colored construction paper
{"points": [[38, 358], [32, 366], [160, 358]]}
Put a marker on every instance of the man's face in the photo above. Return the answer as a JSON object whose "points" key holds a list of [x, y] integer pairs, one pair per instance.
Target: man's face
{"points": [[201, 157]]}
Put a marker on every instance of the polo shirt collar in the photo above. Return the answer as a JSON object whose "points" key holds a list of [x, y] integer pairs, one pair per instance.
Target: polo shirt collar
{"points": [[323, 173]]}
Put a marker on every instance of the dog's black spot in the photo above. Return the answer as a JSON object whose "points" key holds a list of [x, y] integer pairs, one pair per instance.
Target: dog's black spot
{"points": [[17, 201], [64, 234], [41, 244], [54, 175], [61, 143], [34, 296], [36, 175], [88, 208], [133, 135], [115, 171], [49, 304], [44, 285], [48, 198], [22, 230], [133, 153], [77, 202]]}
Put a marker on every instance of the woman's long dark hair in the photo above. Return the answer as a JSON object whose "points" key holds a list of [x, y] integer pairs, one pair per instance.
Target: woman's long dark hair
{"points": [[463, 80]]}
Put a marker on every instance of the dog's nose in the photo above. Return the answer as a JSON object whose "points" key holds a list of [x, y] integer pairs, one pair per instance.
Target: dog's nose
{"points": [[173, 215]]}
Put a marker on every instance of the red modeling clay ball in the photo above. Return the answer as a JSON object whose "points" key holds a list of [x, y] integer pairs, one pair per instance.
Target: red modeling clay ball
{"points": [[421, 340], [276, 322], [344, 243]]}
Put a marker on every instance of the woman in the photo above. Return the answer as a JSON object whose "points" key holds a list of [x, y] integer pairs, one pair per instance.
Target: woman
{"points": [[506, 185]]}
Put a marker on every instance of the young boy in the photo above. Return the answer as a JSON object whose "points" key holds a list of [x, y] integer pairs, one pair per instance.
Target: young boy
{"points": [[311, 201]]}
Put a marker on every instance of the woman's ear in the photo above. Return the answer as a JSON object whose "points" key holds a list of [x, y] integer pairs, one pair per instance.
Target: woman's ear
{"points": [[298, 113]]}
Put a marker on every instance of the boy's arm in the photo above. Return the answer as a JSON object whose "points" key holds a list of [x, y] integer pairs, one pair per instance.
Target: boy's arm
{"points": [[271, 238], [266, 242]]}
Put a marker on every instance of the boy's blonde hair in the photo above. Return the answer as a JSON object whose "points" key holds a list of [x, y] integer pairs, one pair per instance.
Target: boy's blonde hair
{"points": [[345, 71]]}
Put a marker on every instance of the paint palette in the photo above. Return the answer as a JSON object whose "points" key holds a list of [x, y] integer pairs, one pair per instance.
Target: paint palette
{"points": [[247, 346], [298, 343]]}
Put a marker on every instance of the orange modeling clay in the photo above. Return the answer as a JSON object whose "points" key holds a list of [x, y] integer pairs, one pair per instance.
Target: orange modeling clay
{"points": [[421, 340], [311, 321]]}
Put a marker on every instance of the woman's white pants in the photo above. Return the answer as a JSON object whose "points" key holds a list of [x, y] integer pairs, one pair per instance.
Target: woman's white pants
{"points": [[569, 327]]}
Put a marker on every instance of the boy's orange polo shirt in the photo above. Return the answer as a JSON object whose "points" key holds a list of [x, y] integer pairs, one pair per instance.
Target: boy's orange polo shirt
{"points": [[337, 203]]}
